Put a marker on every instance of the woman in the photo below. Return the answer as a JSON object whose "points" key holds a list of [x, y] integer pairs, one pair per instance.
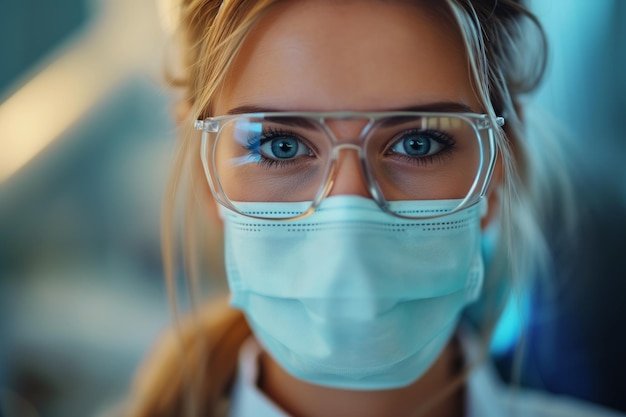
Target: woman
{"points": [[353, 153]]}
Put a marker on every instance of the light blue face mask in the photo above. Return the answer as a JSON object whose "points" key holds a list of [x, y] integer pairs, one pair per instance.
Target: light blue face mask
{"points": [[352, 297]]}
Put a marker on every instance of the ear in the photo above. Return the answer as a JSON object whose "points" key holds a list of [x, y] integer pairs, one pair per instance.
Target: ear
{"points": [[182, 110]]}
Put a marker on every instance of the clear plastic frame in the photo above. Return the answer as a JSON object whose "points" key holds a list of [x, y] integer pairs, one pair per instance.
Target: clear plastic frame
{"points": [[292, 157]]}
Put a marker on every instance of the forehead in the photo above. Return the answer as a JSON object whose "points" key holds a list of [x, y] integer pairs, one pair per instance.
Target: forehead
{"points": [[367, 55]]}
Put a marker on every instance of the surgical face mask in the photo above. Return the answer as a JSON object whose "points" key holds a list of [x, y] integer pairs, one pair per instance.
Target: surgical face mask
{"points": [[352, 297]]}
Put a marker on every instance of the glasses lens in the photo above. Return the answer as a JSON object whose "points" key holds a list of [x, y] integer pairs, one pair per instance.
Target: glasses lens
{"points": [[424, 158], [271, 159], [286, 159]]}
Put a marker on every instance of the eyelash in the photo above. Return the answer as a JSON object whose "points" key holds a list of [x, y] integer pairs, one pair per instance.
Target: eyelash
{"points": [[255, 142], [443, 138]]}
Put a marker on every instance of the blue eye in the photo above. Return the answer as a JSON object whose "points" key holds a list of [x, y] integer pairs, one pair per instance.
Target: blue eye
{"points": [[421, 146], [283, 148], [274, 146], [417, 144]]}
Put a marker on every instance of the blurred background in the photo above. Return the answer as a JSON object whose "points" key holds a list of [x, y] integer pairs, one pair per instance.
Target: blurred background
{"points": [[575, 316], [86, 142]]}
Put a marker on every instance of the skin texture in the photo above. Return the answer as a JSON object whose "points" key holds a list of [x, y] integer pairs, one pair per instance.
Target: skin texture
{"points": [[334, 55]]}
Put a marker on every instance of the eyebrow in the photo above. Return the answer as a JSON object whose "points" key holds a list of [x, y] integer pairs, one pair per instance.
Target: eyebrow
{"points": [[289, 121], [442, 107]]}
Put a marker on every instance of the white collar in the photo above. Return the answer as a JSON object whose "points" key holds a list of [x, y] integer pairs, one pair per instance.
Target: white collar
{"points": [[247, 399], [486, 395]]}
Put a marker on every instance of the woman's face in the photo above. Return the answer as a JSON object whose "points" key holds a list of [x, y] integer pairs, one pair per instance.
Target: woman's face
{"points": [[337, 55]]}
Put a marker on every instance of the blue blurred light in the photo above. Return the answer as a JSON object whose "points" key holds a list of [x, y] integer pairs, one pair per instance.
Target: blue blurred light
{"points": [[509, 327]]}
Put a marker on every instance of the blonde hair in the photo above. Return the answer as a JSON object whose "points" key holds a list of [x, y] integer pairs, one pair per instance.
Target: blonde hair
{"points": [[504, 62]]}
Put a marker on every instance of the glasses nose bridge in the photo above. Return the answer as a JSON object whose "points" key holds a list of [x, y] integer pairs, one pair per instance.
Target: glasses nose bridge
{"points": [[348, 135], [348, 146], [348, 172], [347, 127]]}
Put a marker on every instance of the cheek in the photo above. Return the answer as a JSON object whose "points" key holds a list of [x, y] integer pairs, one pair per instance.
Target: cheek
{"points": [[206, 202], [493, 197], [201, 191], [211, 211]]}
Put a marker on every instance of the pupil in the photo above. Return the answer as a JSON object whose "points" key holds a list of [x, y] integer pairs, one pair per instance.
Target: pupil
{"points": [[416, 146], [285, 148]]}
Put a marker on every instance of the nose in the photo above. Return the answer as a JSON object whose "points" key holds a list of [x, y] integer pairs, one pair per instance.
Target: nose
{"points": [[348, 177]]}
